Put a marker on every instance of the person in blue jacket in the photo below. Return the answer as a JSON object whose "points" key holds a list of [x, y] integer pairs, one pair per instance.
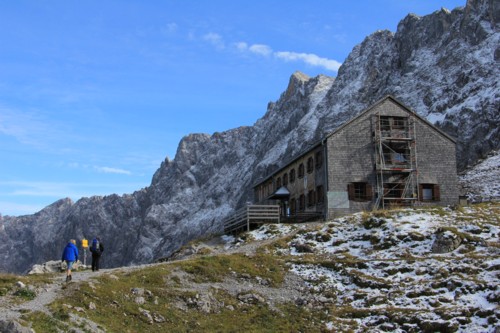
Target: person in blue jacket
{"points": [[70, 255]]}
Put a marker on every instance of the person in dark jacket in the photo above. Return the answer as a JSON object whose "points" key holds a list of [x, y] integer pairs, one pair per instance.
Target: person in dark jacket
{"points": [[96, 249], [70, 255]]}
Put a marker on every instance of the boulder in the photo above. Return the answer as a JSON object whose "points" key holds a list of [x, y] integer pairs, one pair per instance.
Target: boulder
{"points": [[446, 241]]}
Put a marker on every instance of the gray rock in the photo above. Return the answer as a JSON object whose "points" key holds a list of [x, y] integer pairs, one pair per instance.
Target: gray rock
{"points": [[11, 326], [445, 242], [52, 266], [251, 298], [140, 300], [147, 314], [443, 65]]}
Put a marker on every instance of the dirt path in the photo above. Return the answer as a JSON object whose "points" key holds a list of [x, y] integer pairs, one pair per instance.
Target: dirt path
{"points": [[11, 309]]}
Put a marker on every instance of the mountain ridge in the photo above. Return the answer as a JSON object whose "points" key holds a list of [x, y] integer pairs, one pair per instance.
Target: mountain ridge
{"points": [[445, 61]]}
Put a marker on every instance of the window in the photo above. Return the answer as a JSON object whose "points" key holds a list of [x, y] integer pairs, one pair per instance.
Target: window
{"points": [[302, 202], [359, 191], [319, 159], [292, 175], [399, 122], [319, 194], [396, 154], [429, 192], [285, 179], [301, 170], [278, 182], [396, 127], [310, 164], [311, 198], [293, 206]]}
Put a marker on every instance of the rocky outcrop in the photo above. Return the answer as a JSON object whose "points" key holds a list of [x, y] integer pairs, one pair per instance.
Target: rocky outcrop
{"points": [[444, 66], [12, 326], [445, 242]]}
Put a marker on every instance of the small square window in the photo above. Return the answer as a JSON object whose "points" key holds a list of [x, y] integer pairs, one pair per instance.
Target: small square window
{"points": [[359, 191], [429, 192]]}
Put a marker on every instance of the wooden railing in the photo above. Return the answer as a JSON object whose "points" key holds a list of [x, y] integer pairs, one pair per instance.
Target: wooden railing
{"points": [[242, 218], [301, 217]]}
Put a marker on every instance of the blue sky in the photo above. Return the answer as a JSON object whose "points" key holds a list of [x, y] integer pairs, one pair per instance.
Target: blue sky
{"points": [[95, 94]]}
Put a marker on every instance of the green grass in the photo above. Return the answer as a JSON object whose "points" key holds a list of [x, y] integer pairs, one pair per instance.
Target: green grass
{"points": [[166, 294], [42, 322], [117, 311], [8, 285]]}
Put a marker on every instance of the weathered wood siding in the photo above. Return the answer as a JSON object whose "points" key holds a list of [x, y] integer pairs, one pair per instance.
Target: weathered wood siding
{"points": [[351, 158]]}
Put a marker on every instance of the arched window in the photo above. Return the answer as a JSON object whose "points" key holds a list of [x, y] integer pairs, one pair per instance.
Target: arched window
{"points": [[310, 164], [302, 202], [311, 198], [292, 175], [319, 159], [301, 170], [278, 182], [319, 194], [285, 179]]}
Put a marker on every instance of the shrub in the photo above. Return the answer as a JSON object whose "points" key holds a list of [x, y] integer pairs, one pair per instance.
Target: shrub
{"points": [[25, 293]]}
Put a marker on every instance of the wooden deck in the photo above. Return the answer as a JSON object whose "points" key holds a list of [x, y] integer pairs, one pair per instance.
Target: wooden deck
{"points": [[251, 214], [257, 214]]}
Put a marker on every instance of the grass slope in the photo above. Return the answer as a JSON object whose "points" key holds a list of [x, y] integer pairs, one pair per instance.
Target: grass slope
{"points": [[365, 272]]}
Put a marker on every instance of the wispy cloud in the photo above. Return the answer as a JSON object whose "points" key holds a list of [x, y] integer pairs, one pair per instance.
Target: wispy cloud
{"points": [[63, 189], [26, 128], [48, 192], [170, 28], [259, 49], [214, 39], [16, 209], [113, 170], [39, 189], [310, 59]]}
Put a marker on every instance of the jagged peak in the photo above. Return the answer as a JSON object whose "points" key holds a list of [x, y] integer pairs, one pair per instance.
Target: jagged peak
{"points": [[298, 75]]}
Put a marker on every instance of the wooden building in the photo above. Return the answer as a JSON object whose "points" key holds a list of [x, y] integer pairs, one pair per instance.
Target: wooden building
{"points": [[386, 156]]}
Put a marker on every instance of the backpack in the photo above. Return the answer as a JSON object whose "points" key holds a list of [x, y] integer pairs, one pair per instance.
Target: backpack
{"points": [[95, 247]]}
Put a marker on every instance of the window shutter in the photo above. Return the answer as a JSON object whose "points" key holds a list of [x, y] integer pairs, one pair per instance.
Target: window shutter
{"points": [[437, 193], [350, 191], [421, 192], [369, 192]]}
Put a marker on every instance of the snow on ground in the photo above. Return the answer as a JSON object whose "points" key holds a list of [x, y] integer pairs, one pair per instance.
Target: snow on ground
{"points": [[385, 261], [482, 182]]}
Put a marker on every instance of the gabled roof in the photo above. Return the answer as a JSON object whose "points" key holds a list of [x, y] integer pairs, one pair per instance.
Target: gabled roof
{"points": [[347, 123], [281, 193], [401, 105]]}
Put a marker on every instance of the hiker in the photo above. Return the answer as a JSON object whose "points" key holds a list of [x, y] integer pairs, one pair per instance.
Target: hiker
{"points": [[70, 255], [97, 249]]}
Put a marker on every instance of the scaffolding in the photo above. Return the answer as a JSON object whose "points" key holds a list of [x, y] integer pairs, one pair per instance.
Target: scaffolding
{"points": [[396, 161]]}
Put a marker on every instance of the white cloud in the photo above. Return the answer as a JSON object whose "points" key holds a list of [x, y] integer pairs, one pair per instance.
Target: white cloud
{"points": [[170, 28], [215, 39], [310, 59], [26, 128], [260, 49], [241, 46], [113, 170]]}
